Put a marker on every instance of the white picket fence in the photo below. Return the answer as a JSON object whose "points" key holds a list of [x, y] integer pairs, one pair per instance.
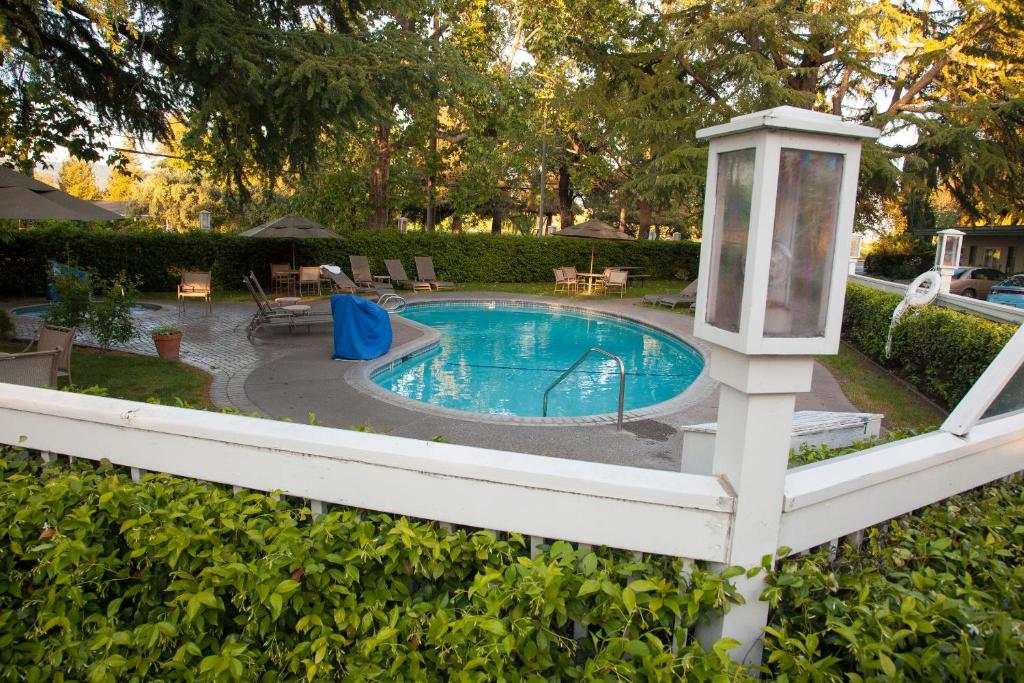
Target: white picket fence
{"points": [[671, 513]]}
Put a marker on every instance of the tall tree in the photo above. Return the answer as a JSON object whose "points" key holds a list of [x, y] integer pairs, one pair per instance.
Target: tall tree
{"points": [[78, 178]]}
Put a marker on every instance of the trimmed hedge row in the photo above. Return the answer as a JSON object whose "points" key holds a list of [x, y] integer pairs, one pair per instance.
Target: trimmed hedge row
{"points": [[158, 258], [106, 579], [941, 351], [935, 597]]}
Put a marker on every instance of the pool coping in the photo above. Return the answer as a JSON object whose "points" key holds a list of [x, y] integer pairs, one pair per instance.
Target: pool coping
{"points": [[162, 309], [360, 376]]}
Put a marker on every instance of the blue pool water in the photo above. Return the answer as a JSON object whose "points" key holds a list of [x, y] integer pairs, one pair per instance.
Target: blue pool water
{"points": [[40, 310], [499, 360]]}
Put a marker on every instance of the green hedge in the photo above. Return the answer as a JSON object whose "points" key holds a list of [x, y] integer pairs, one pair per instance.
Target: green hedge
{"points": [[935, 597], [158, 258], [106, 579], [941, 351]]}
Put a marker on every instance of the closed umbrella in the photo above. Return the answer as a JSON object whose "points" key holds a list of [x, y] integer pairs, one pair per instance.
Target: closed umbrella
{"points": [[294, 226], [25, 198], [594, 230]]}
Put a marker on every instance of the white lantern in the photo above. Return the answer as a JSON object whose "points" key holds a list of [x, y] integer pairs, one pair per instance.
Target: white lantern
{"points": [[947, 250], [403, 224], [855, 242], [778, 215], [204, 220]]}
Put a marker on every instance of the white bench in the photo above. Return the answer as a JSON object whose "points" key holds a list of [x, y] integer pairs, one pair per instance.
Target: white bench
{"points": [[815, 427]]}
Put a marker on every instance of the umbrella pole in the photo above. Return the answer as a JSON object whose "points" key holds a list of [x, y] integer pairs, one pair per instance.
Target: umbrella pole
{"points": [[592, 259]]}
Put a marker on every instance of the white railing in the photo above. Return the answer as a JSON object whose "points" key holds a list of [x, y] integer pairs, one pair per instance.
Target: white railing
{"points": [[669, 513], [984, 309], [684, 515]]}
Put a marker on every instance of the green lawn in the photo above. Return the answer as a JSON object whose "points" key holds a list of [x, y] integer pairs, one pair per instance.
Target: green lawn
{"points": [[873, 390], [137, 378]]}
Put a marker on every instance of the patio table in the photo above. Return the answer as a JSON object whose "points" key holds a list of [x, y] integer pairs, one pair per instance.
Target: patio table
{"points": [[591, 279]]}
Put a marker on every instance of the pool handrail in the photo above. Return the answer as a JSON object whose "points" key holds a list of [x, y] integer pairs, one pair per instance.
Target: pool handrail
{"points": [[622, 381]]}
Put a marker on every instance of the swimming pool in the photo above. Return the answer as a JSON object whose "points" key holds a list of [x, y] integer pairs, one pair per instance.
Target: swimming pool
{"points": [[39, 310], [499, 357]]}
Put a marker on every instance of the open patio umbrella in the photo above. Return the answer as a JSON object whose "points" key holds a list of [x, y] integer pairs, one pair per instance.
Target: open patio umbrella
{"points": [[291, 225], [25, 198], [594, 230]]}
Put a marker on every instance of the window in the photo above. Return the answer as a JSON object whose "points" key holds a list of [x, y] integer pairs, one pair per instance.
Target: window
{"points": [[992, 257], [1011, 255], [971, 253]]}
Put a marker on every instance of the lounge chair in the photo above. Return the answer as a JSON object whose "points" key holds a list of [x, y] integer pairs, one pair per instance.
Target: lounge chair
{"points": [[60, 339], [35, 369], [343, 285], [687, 295], [399, 279], [617, 280], [195, 285], [425, 273], [267, 316], [361, 272]]}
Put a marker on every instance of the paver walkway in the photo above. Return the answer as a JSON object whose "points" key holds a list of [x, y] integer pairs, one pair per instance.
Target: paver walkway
{"points": [[290, 375]]}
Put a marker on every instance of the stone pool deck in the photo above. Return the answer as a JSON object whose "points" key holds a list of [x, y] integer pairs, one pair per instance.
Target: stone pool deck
{"points": [[291, 375]]}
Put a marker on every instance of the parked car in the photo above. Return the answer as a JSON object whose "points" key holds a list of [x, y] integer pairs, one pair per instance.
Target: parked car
{"points": [[975, 283], [1009, 292]]}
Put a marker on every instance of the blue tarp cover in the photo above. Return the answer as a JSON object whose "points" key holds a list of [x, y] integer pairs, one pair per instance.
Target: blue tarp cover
{"points": [[362, 329], [56, 271]]}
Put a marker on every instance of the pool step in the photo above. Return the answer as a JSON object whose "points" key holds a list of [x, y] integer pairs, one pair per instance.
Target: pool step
{"points": [[814, 427]]}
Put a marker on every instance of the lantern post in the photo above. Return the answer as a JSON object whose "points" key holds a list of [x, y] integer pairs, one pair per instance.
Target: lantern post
{"points": [[855, 245], [778, 215], [947, 256]]}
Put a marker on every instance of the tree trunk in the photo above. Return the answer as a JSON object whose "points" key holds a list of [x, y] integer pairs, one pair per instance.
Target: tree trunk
{"points": [[497, 216], [380, 173], [564, 196], [428, 224], [644, 208], [457, 224], [622, 218]]}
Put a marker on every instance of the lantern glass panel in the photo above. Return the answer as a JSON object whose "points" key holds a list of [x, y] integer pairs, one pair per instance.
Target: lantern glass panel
{"points": [[803, 243], [949, 245], [1010, 399], [855, 246], [733, 196]]}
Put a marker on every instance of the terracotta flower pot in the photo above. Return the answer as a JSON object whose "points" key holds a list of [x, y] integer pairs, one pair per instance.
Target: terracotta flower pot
{"points": [[168, 345]]}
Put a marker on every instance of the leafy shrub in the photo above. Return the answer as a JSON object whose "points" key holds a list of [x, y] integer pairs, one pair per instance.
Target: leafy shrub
{"points": [[104, 578], [936, 597], [110, 319], [900, 257], [157, 258], [71, 308], [941, 351]]}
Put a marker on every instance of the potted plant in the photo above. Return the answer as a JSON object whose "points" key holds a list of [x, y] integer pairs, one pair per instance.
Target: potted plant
{"points": [[168, 341]]}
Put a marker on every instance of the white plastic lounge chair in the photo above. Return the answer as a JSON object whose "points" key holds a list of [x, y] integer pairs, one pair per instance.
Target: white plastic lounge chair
{"points": [[35, 369], [399, 279], [425, 273], [52, 338], [687, 295]]}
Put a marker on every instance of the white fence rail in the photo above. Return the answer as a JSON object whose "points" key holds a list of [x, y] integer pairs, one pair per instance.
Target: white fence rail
{"points": [[652, 511], [837, 497], [984, 309]]}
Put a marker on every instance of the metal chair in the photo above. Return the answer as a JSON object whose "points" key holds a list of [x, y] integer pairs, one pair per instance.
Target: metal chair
{"points": [[36, 369], [280, 278], [309, 276]]}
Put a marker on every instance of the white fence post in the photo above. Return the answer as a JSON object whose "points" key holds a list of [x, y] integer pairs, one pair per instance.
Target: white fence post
{"points": [[755, 413]]}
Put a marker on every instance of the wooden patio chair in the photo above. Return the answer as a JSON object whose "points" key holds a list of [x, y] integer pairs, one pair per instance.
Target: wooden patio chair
{"points": [[425, 273], [398, 277]]}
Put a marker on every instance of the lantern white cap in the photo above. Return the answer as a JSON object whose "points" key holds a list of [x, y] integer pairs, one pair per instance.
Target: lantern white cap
{"points": [[790, 119], [951, 231]]}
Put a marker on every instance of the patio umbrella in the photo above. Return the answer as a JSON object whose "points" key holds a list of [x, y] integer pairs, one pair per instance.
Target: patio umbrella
{"points": [[25, 198], [594, 230], [292, 225]]}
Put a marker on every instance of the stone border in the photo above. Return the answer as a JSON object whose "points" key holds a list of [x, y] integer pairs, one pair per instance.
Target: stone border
{"points": [[360, 377]]}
